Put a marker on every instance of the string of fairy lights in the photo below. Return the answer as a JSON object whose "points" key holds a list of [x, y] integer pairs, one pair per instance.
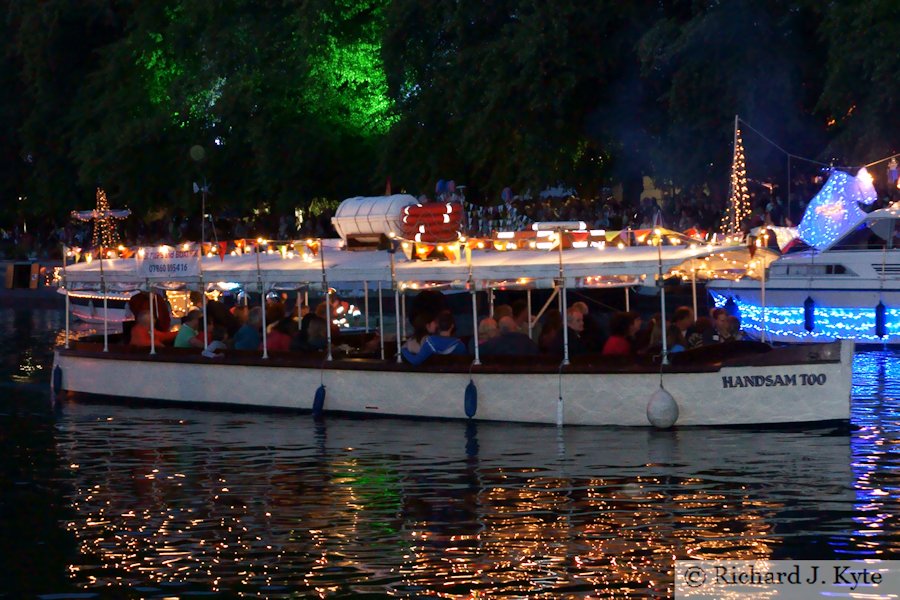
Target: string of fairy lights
{"points": [[739, 200], [105, 233]]}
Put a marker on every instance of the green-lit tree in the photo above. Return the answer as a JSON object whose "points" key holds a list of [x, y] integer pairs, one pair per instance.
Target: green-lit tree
{"points": [[502, 93]]}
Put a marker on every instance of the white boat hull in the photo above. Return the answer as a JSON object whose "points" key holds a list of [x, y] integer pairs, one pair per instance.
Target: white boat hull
{"points": [[736, 395]]}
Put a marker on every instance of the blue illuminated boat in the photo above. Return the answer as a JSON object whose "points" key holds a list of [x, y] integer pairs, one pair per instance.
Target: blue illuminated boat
{"points": [[846, 285]]}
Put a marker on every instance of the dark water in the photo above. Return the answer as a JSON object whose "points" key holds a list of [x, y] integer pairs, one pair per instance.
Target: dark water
{"points": [[113, 501]]}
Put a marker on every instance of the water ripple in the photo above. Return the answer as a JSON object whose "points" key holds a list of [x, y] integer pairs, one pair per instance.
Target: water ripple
{"points": [[147, 502]]}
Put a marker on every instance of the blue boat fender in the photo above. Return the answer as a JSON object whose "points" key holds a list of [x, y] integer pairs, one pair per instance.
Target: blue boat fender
{"points": [[471, 399], [809, 314], [880, 320], [319, 401]]}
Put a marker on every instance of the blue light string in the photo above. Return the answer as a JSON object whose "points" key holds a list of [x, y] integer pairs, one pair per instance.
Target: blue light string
{"points": [[831, 323]]}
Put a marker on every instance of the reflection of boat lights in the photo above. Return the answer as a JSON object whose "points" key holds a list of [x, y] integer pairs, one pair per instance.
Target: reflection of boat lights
{"points": [[27, 368]]}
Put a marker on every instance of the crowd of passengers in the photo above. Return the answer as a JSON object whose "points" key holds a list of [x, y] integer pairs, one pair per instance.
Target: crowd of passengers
{"points": [[504, 333]]}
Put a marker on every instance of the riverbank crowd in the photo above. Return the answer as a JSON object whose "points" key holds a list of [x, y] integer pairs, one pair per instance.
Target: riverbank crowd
{"points": [[672, 209]]}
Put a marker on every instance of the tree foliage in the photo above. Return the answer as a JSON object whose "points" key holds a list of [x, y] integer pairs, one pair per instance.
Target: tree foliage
{"points": [[860, 96], [297, 99]]}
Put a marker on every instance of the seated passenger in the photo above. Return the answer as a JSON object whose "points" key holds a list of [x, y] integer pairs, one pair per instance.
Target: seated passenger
{"points": [[487, 330], [189, 334], [734, 329], [140, 302], [216, 348], [647, 338], [622, 327], [510, 342], [317, 334], [521, 315], [443, 343], [592, 334], [140, 332], [682, 321], [322, 312], [697, 332], [574, 335], [248, 334], [720, 331], [502, 310], [550, 328], [316, 337], [424, 324], [278, 339]]}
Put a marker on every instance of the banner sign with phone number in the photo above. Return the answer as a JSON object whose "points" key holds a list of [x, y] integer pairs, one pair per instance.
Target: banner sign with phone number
{"points": [[167, 261]]}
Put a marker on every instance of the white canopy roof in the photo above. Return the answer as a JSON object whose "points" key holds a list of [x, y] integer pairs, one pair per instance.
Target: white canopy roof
{"points": [[348, 267]]}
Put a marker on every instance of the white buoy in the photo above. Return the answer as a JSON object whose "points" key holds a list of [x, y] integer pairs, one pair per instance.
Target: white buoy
{"points": [[662, 410]]}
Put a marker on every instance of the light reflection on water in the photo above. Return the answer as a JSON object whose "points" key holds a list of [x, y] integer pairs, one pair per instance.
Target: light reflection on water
{"points": [[180, 501]]}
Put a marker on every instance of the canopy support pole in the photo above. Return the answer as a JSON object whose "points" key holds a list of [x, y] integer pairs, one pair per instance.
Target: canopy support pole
{"points": [[397, 324], [366, 302], [627, 299], [662, 302], [560, 404], [67, 318], [396, 308], [694, 287], [562, 301], [475, 325], [403, 311], [205, 322], [66, 285], [491, 301], [380, 320], [762, 297], [565, 320], [265, 326], [105, 305], [299, 310], [262, 302], [528, 300], [327, 317], [327, 301], [152, 318], [105, 321]]}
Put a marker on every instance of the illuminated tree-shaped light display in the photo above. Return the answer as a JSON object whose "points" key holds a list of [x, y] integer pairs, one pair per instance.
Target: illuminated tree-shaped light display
{"points": [[739, 200], [104, 218], [105, 233]]}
